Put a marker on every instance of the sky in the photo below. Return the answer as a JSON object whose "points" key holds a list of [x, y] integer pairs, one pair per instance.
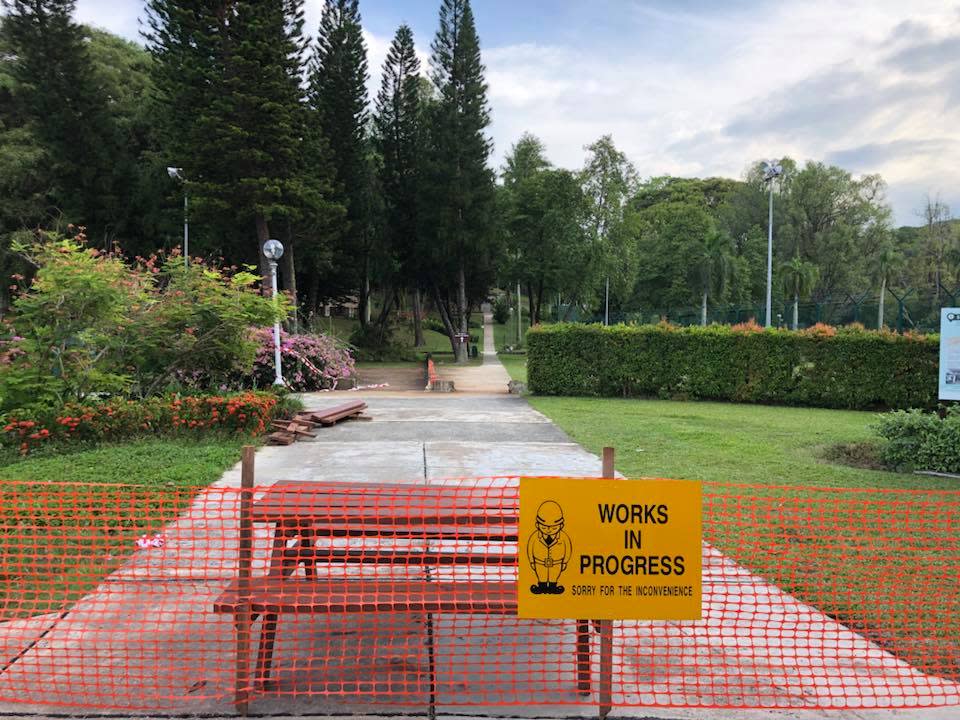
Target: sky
{"points": [[702, 87]]}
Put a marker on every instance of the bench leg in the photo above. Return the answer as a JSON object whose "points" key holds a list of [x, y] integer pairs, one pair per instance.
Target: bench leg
{"points": [[583, 657], [268, 635], [242, 622], [605, 689]]}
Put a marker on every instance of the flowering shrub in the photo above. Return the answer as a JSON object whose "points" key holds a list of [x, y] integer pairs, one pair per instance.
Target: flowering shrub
{"points": [[117, 419], [309, 362], [823, 330], [92, 324]]}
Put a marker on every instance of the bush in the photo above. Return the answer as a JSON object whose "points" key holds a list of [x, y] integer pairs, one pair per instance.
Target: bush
{"points": [[921, 440], [246, 413], [905, 431], [501, 310], [835, 367], [92, 325], [308, 362]]}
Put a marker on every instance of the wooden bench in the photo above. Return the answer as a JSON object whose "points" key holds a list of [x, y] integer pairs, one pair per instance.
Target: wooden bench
{"points": [[482, 523]]}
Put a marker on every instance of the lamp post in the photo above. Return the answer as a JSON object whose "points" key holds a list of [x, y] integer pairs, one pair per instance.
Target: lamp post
{"points": [[771, 171], [177, 174], [273, 251]]}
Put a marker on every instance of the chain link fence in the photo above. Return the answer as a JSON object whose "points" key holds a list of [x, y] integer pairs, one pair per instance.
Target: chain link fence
{"points": [[903, 310]]}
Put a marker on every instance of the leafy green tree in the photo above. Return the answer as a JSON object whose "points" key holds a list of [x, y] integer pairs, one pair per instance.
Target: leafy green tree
{"points": [[398, 125], [61, 100], [798, 279], [338, 98], [543, 213], [609, 180], [713, 260], [458, 182]]}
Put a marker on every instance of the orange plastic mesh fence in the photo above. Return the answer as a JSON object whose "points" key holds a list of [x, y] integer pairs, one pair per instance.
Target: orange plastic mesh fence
{"points": [[367, 596]]}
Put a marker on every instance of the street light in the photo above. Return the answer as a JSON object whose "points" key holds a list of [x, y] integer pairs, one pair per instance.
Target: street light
{"points": [[176, 173], [771, 171], [273, 251]]}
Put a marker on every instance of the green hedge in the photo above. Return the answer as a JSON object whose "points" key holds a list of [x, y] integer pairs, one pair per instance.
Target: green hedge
{"points": [[823, 366]]}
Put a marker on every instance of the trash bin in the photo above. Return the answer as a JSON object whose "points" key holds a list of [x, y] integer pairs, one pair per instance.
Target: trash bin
{"points": [[474, 352]]}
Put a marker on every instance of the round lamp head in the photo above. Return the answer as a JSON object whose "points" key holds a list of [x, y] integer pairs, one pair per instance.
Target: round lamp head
{"points": [[273, 249], [175, 173]]}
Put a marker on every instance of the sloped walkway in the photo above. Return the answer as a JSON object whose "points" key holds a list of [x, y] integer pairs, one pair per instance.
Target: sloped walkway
{"points": [[489, 378]]}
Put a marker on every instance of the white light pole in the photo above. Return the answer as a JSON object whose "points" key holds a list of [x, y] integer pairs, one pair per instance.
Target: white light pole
{"points": [[273, 251], [771, 170], [177, 174], [606, 303], [519, 316]]}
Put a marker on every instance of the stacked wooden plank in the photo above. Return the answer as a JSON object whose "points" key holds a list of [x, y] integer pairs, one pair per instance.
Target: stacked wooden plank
{"points": [[286, 432]]}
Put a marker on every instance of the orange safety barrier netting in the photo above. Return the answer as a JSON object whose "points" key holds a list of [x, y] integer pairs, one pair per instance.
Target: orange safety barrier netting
{"points": [[348, 597]]}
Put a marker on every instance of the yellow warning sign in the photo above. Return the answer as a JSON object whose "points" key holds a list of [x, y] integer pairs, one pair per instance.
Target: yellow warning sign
{"points": [[609, 549]]}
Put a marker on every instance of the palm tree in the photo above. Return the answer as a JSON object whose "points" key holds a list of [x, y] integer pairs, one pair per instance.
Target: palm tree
{"points": [[798, 277], [888, 262], [713, 259]]}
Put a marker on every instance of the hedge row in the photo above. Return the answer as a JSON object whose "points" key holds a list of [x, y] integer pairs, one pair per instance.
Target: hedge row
{"points": [[246, 413], [822, 366]]}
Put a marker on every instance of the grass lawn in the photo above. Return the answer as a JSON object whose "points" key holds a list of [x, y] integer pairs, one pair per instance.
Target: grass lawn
{"points": [[883, 563], [506, 334], [516, 366], [56, 543]]}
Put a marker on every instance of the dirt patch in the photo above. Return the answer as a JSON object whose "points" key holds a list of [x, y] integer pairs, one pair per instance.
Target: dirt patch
{"points": [[864, 455], [394, 379]]}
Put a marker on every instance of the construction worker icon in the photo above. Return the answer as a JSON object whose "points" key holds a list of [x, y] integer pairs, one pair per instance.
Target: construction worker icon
{"points": [[548, 549]]}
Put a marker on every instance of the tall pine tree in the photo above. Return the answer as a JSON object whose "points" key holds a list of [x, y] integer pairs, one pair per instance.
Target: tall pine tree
{"points": [[459, 183], [229, 81], [63, 100], [338, 98], [398, 137]]}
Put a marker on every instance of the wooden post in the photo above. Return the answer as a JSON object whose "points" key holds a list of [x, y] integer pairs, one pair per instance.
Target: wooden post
{"points": [[242, 618], [605, 690]]}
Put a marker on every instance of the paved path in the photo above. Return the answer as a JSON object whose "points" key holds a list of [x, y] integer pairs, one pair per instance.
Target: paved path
{"points": [[150, 623], [491, 377]]}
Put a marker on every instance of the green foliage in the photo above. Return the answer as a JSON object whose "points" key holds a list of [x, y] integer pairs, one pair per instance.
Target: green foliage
{"points": [[398, 122], [824, 367], [921, 440], [337, 99], [90, 324], [501, 310]]}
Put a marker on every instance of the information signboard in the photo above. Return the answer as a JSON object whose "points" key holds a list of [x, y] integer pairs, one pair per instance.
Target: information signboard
{"points": [[949, 354]]}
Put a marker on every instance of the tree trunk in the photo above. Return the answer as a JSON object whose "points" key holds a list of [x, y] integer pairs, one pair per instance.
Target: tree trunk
{"points": [[290, 281], [444, 311], [263, 234], [313, 293], [538, 307], [384, 318], [531, 311], [418, 340], [460, 348], [796, 311], [703, 310], [883, 293], [363, 304]]}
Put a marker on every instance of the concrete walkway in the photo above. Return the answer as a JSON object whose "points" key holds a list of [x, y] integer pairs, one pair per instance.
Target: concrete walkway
{"points": [[489, 378], [150, 624]]}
